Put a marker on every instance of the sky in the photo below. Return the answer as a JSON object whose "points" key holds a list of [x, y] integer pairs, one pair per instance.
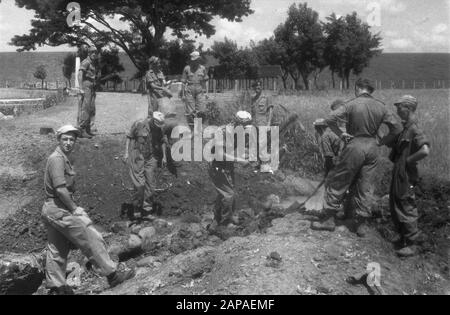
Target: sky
{"points": [[404, 25]]}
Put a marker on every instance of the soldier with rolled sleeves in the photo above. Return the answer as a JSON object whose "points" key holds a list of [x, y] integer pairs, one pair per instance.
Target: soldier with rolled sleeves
{"points": [[410, 147], [194, 78], [145, 151], [363, 117], [155, 83], [87, 77], [67, 223]]}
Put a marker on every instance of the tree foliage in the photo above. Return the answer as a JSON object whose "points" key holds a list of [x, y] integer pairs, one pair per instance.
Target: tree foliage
{"points": [[41, 74], [235, 63], [349, 45], [150, 19], [302, 36]]}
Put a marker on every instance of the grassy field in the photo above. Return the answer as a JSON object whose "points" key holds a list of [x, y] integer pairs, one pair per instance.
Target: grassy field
{"points": [[433, 113]]}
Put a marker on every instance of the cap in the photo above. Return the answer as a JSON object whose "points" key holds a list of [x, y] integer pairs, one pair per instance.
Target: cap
{"points": [[336, 104], [92, 49], [320, 123], [195, 55], [365, 83], [67, 129], [407, 100], [243, 117], [158, 118]]}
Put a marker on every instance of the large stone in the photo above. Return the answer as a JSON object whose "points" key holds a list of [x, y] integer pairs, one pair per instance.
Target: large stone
{"points": [[193, 264], [21, 274], [148, 238], [134, 242]]}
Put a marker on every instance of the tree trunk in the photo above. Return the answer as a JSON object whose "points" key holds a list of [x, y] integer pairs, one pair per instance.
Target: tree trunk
{"points": [[333, 79], [305, 81], [42, 84]]}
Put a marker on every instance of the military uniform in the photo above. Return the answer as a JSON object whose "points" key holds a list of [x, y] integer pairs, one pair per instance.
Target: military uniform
{"points": [[87, 101], [65, 229], [194, 97], [155, 96], [404, 181], [145, 153], [222, 177], [260, 110], [331, 145], [358, 161]]}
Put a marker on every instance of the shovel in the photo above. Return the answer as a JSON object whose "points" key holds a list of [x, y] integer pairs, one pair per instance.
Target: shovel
{"points": [[309, 204]]}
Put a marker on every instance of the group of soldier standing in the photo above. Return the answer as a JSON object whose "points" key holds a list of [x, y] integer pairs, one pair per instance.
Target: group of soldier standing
{"points": [[350, 138]]}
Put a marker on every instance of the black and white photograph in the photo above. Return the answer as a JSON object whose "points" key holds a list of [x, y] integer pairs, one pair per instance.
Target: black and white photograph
{"points": [[224, 153]]}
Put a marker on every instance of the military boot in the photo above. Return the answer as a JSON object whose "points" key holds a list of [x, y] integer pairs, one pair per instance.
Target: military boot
{"points": [[119, 277], [326, 223]]}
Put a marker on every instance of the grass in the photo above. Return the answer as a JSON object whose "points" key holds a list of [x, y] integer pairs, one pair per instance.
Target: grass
{"points": [[433, 113]]}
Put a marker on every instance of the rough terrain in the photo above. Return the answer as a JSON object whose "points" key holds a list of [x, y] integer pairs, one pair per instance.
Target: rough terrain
{"points": [[178, 256]]}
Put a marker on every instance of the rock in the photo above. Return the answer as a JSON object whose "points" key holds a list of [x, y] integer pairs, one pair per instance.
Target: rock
{"points": [[46, 131], [21, 274], [147, 233], [146, 262], [324, 290], [275, 256], [342, 229], [134, 242], [193, 264], [135, 229], [147, 236], [195, 228], [120, 227]]}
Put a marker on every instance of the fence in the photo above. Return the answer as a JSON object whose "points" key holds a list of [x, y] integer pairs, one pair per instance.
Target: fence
{"points": [[222, 85]]}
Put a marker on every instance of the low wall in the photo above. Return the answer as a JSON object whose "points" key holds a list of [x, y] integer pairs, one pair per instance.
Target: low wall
{"points": [[15, 102]]}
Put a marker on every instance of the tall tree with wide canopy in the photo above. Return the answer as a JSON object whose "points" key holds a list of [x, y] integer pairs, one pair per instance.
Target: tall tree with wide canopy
{"points": [[302, 36], [350, 45], [271, 52], [150, 19]]}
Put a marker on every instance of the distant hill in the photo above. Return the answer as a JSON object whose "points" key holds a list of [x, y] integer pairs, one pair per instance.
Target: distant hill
{"points": [[20, 66]]}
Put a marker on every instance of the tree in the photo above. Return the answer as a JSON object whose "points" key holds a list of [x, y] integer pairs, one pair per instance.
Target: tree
{"points": [[235, 63], [176, 54], [69, 67], [41, 74], [146, 21], [349, 46], [109, 65], [303, 38], [271, 52]]}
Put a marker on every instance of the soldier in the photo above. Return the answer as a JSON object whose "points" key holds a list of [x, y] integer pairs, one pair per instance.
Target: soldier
{"points": [[222, 176], [363, 116], [87, 80], [330, 144], [410, 147], [194, 78], [262, 113], [67, 223], [155, 83], [145, 150]]}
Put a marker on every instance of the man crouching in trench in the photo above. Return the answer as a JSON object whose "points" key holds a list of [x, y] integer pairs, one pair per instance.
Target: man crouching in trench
{"points": [[68, 224]]}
